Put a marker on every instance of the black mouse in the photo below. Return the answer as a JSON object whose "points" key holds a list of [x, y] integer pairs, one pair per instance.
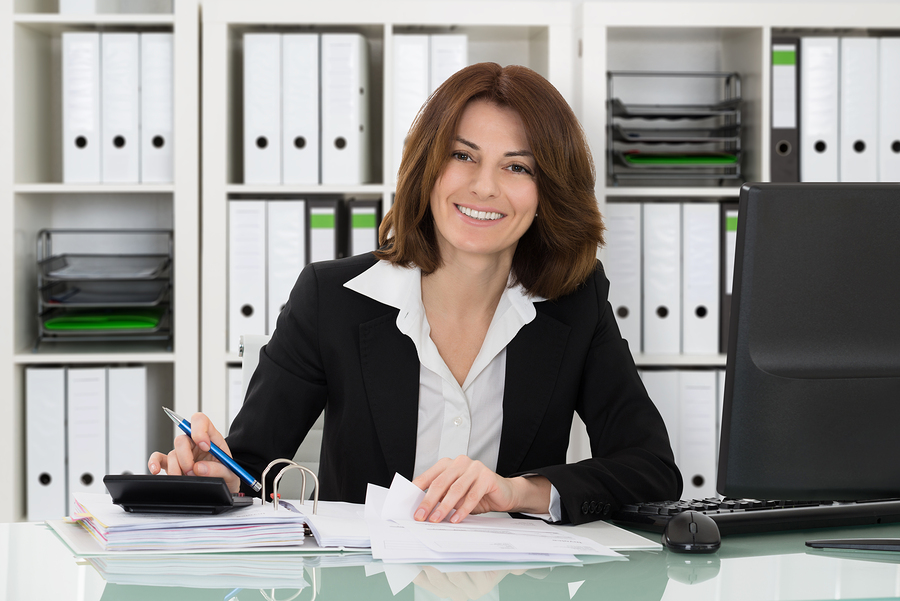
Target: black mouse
{"points": [[692, 532]]}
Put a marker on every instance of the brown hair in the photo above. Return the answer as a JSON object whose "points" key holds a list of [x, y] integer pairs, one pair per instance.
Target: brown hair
{"points": [[558, 252]]}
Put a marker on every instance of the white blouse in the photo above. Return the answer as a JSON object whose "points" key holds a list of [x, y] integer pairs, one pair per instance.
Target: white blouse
{"points": [[453, 420]]}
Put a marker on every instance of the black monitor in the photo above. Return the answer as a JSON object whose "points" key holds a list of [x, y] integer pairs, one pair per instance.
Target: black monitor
{"points": [[812, 385]]}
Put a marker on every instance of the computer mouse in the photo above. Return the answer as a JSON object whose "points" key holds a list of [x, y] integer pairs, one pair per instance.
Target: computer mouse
{"points": [[692, 532]]}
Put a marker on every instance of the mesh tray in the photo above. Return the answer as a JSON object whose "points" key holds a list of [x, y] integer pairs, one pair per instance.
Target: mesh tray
{"points": [[105, 293], [104, 323], [104, 267]]}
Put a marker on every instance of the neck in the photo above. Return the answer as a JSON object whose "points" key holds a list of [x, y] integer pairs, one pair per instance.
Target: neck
{"points": [[463, 289]]}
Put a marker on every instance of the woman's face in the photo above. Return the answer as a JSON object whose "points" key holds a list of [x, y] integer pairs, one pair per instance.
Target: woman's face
{"points": [[486, 197]]}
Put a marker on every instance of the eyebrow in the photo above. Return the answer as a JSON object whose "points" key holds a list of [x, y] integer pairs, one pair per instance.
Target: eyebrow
{"points": [[512, 153]]}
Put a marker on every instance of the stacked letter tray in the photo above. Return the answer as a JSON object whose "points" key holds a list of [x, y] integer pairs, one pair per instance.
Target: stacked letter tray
{"points": [[105, 296], [670, 138]]}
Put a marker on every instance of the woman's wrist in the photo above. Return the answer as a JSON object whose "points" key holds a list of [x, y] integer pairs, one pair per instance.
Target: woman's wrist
{"points": [[531, 494]]}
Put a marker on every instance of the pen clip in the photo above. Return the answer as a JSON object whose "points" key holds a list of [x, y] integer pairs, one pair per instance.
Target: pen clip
{"points": [[291, 466]]}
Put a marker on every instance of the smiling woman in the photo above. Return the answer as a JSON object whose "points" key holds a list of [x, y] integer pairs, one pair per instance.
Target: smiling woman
{"points": [[558, 254], [458, 354]]}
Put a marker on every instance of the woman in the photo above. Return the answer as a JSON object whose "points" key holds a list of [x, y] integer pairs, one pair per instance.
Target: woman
{"points": [[458, 353]]}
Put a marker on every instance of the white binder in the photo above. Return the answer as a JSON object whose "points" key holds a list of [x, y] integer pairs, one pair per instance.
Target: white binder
{"points": [[449, 54], [698, 391], [859, 110], [322, 220], [246, 270], [888, 114], [623, 268], [286, 253], [128, 420], [45, 443], [663, 386], [364, 218], [157, 109], [235, 393], [86, 419], [819, 109], [81, 107], [700, 281], [662, 278], [262, 108], [300, 108], [77, 7], [411, 87], [120, 108], [345, 109]]}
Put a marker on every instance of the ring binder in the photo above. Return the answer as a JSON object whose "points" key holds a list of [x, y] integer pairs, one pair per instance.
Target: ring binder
{"points": [[291, 466]]}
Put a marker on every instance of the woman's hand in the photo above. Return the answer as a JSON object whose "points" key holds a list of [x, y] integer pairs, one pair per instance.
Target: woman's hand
{"points": [[191, 456], [468, 486]]}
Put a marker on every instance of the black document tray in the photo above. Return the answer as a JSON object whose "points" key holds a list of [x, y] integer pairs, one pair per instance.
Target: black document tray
{"points": [[172, 494]]}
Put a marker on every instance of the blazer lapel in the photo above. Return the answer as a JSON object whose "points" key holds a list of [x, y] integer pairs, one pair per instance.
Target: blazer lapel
{"points": [[390, 369], [533, 359]]}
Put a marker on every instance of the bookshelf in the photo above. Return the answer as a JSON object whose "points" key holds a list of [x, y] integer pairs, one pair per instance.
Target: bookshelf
{"points": [[540, 37], [696, 36], [34, 197]]}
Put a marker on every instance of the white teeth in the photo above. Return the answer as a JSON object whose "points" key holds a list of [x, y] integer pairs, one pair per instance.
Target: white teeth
{"points": [[480, 215]]}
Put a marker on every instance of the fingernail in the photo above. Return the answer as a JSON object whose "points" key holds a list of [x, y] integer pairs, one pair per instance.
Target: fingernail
{"points": [[420, 515], [455, 518], [435, 517], [204, 446], [189, 473], [153, 468], [201, 469]]}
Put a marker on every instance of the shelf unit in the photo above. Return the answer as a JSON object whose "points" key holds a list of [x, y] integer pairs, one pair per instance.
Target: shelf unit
{"points": [[699, 36], [35, 197], [540, 36]]}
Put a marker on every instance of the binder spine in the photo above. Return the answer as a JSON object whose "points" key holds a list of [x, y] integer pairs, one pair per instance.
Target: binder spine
{"points": [[785, 139]]}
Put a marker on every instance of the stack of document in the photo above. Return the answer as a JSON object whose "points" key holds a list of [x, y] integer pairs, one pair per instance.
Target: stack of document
{"points": [[250, 527], [397, 538]]}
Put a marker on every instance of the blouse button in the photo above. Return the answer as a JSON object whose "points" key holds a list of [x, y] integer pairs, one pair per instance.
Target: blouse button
{"points": [[457, 421]]}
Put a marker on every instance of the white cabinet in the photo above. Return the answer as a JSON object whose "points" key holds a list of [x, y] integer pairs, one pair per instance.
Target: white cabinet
{"points": [[33, 197], [541, 37]]}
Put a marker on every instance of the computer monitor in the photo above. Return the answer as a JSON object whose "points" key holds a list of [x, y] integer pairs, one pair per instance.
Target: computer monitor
{"points": [[812, 385]]}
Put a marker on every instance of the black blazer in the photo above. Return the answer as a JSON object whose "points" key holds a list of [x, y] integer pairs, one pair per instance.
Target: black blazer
{"points": [[336, 350]]}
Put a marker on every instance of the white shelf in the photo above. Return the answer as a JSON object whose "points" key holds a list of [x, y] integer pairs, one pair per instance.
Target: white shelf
{"points": [[94, 188], [679, 361], [616, 192], [73, 357], [331, 189]]}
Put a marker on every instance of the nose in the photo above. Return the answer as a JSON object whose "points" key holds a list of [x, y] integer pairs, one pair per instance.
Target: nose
{"points": [[484, 183]]}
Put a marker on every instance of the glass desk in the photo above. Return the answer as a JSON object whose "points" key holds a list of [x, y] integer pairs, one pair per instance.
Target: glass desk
{"points": [[36, 565]]}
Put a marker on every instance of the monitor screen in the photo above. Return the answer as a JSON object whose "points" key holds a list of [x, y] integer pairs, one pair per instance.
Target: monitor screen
{"points": [[812, 385]]}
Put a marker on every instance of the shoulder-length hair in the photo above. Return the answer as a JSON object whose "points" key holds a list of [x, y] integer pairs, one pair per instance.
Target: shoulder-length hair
{"points": [[558, 252]]}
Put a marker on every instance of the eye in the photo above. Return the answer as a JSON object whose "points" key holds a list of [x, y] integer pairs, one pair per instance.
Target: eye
{"points": [[461, 156], [519, 168]]}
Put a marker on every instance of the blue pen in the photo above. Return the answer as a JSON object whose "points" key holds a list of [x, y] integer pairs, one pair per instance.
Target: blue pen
{"points": [[216, 452]]}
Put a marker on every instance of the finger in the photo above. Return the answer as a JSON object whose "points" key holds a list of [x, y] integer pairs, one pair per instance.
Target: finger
{"points": [[472, 491], [203, 432], [200, 431], [156, 462], [172, 468], [425, 482], [448, 488], [184, 449], [214, 469]]}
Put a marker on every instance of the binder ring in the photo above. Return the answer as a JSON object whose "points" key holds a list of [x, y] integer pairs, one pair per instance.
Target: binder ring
{"points": [[314, 586], [291, 466]]}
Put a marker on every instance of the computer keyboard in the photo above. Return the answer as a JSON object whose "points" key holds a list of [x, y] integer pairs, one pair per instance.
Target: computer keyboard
{"points": [[739, 516]]}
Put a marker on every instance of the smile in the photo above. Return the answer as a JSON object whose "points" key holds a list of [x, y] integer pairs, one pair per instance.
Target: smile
{"points": [[479, 215]]}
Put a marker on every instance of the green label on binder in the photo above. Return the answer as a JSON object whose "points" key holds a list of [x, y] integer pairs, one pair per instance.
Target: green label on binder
{"points": [[784, 57], [363, 220], [321, 221], [731, 224]]}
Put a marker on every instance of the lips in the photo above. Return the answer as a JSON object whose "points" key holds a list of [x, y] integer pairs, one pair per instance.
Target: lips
{"points": [[480, 215]]}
